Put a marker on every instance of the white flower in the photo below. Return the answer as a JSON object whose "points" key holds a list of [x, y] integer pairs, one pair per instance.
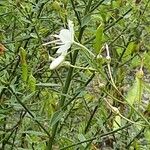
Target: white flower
{"points": [[65, 39], [57, 62]]}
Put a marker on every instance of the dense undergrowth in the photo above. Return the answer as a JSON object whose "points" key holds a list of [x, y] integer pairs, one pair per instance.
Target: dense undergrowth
{"points": [[98, 95]]}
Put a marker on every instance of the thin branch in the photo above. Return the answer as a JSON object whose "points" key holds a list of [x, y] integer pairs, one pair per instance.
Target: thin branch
{"points": [[28, 111], [94, 138]]}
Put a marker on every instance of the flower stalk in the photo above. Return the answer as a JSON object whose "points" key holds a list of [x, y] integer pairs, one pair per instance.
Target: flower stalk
{"points": [[83, 47]]}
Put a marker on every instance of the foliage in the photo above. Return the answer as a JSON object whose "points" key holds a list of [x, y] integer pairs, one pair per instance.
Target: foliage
{"points": [[97, 99]]}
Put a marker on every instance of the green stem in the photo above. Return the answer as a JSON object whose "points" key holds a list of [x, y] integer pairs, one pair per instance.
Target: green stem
{"points": [[83, 47], [75, 11], [88, 7], [28, 111], [94, 138], [96, 6], [111, 25], [69, 76], [86, 68], [65, 91]]}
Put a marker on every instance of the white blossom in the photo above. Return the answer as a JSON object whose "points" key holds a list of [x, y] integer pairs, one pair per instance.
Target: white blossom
{"points": [[65, 39], [63, 42]]}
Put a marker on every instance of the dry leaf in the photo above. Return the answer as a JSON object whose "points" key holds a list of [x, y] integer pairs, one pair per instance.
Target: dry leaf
{"points": [[2, 49]]}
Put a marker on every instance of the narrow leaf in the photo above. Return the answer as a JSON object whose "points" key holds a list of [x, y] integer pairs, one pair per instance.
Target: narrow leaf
{"points": [[147, 136], [117, 122], [131, 48], [32, 83], [131, 95], [135, 93], [99, 39], [28, 97], [56, 117], [81, 137], [24, 66], [146, 60], [48, 85], [146, 86], [85, 20]]}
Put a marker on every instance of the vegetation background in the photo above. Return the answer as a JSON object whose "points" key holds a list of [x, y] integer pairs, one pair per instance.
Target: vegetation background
{"points": [[75, 108]]}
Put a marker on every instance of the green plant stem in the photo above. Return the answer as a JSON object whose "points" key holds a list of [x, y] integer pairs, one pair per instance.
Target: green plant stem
{"points": [[88, 7], [28, 111], [66, 86], [68, 80], [102, 135], [82, 68], [76, 13], [75, 96], [111, 25], [83, 47], [97, 5], [65, 90], [89, 121], [113, 84], [135, 137]]}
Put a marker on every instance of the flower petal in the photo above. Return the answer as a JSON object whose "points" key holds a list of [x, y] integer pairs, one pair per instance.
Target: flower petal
{"points": [[70, 26], [51, 42], [63, 48], [57, 62], [65, 35]]}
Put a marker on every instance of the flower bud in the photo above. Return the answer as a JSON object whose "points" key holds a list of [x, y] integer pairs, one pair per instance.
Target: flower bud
{"points": [[115, 110], [140, 74], [108, 59]]}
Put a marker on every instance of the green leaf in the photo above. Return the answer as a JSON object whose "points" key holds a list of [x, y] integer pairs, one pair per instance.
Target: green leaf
{"points": [[32, 83], [24, 72], [2, 87], [34, 133], [117, 122], [28, 97], [81, 137], [56, 6], [131, 48], [139, 76], [99, 39], [34, 35], [147, 136], [86, 19], [146, 60], [48, 84], [24, 66], [56, 117], [135, 92], [146, 86], [136, 61]]}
